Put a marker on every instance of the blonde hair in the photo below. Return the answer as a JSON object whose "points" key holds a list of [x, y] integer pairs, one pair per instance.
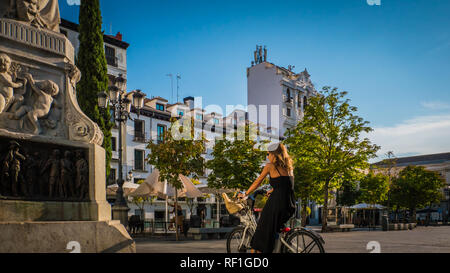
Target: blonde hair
{"points": [[282, 158]]}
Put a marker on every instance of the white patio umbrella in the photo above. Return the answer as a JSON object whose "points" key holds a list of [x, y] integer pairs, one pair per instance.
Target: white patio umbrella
{"points": [[364, 206], [208, 190], [128, 188], [367, 206], [152, 186]]}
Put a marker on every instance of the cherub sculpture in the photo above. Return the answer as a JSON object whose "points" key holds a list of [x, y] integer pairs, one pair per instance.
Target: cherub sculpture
{"points": [[44, 93], [7, 85]]}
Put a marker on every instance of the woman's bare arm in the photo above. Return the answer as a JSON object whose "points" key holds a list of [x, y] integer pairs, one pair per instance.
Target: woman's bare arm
{"points": [[260, 179], [270, 192]]}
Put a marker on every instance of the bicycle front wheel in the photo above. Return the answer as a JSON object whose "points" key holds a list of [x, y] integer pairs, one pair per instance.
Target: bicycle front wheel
{"points": [[237, 242], [302, 241]]}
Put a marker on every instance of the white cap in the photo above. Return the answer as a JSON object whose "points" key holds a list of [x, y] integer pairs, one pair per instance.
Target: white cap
{"points": [[273, 147], [269, 147]]}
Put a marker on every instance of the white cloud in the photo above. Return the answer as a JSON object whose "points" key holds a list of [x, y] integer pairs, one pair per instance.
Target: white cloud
{"points": [[421, 135], [73, 2], [436, 105]]}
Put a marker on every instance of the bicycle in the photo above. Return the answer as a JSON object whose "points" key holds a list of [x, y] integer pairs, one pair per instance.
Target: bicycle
{"points": [[290, 240]]}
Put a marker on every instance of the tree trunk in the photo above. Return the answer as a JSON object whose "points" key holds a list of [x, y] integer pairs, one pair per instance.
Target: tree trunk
{"points": [[176, 213], [325, 210], [304, 214], [412, 215], [429, 215]]}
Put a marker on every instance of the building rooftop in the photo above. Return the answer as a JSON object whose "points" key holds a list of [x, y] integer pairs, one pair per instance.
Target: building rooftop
{"points": [[112, 40], [157, 98], [418, 160]]}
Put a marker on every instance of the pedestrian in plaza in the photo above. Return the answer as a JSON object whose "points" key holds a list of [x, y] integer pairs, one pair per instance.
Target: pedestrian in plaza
{"points": [[179, 217], [281, 204]]}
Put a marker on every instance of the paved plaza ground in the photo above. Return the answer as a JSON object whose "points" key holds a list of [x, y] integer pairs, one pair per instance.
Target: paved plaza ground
{"points": [[419, 240]]}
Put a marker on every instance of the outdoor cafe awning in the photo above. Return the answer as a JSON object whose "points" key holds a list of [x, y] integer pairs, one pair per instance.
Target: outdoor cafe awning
{"points": [[367, 206]]}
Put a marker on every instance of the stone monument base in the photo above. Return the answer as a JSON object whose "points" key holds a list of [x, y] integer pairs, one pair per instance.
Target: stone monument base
{"points": [[28, 211], [65, 237]]}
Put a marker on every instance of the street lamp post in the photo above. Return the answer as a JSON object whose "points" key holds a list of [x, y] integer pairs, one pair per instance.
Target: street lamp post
{"points": [[121, 106]]}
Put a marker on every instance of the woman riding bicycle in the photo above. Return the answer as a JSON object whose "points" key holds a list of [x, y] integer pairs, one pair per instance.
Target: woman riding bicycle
{"points": [[281, 204]]}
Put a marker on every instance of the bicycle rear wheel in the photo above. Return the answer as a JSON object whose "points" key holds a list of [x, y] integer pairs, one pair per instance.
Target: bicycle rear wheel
{"points": [[236, 243], [302, 241]]}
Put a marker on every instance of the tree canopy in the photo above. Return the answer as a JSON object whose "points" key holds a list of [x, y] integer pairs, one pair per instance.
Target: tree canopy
{"points": [[175, 156], [373, 189], [415, 188], [330, 140], [236, 162]]}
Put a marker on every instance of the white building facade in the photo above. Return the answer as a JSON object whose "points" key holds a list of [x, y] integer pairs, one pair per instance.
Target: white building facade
{"points": [[279, 94]]}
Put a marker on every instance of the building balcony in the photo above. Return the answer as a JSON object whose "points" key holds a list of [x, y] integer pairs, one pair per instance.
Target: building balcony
{"points": [[112, 60], [290, 122], [288, 100], [140, 137]]}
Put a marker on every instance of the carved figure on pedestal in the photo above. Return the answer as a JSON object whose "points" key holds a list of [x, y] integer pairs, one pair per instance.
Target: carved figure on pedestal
{"points": [[32, 174], [13, 162], [29, 11], [5, 187], [7, 85], [67, 175], [82, 175], [74, 74], [38, 13], [53, 164], [44, 92]]}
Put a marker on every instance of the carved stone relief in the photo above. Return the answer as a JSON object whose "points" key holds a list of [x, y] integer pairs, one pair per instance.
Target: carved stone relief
{"points": [[28, 105], [38, 13], [42, 172]]}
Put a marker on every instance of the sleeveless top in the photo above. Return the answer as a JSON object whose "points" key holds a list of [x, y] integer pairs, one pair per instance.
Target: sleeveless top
{"points": [[279, 208], [284, 186]]}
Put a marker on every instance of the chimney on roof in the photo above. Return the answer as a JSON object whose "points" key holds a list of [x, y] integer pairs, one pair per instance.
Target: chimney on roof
{"points": [[119, 36], [189, 101]]}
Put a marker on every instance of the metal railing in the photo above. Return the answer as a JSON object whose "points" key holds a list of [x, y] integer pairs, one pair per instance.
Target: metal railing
{"points": [[140, 137]]}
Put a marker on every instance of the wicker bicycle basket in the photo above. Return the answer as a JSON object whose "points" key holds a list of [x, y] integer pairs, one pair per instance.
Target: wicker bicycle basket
{"points": [[232, 206]]}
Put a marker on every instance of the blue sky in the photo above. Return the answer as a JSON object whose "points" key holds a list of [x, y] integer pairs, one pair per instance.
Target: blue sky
{"points": [[393, 59]]}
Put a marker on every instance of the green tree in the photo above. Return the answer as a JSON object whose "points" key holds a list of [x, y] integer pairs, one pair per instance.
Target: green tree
{"points": [[306, 188], [91, 61], [236, 162], [348, 194], [178, 156], [373, 188], [329, 140], [415, 188]]}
